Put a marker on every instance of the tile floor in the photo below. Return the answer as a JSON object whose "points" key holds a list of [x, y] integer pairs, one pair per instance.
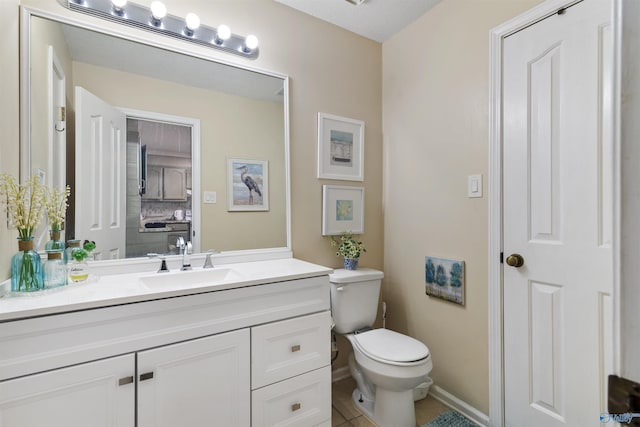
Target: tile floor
{"points": [[345, 413]]}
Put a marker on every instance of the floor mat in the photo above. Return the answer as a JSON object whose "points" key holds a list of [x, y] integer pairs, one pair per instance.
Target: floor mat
{"points": [[450, 419]]}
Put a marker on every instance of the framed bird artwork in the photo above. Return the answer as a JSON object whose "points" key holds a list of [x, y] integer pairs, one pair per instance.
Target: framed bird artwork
{"points": [[247, 185]]}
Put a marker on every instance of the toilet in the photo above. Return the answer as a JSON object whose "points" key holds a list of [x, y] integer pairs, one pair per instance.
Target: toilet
{"points": [[386, 365]]}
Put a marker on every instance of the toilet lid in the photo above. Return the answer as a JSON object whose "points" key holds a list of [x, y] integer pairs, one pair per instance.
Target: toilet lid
{"points": [[388, 345]]}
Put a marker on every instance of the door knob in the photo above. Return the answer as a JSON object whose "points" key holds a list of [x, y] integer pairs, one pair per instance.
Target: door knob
{"points": [[515, 260]]}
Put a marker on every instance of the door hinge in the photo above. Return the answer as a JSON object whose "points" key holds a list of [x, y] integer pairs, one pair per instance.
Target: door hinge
{"points": [[501, 257]]}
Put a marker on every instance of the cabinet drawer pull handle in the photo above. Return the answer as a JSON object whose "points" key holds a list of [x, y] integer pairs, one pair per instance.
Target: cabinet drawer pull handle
{"points": [[295, 407], [125, 380], [146, 376], [295, 348]]}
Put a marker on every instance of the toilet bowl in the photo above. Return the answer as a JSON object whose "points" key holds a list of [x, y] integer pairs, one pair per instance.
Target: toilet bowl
{"points": [[386, 365]]}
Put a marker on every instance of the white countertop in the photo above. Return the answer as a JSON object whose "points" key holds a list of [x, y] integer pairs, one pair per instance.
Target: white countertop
{"points": [[127, 288]]}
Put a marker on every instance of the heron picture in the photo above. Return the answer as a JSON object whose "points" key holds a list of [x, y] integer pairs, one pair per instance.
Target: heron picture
{"points": [[247, 185]]}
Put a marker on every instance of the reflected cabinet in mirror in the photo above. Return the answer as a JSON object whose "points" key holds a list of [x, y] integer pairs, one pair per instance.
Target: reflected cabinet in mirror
{"points": [[158, 146]]}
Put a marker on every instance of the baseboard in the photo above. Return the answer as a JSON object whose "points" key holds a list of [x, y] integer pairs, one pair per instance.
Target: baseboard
{"points": [[459, 405], [340, 374]]}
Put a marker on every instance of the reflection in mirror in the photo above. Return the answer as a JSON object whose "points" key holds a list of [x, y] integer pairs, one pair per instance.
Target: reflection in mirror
{"points": [[140, 133]]}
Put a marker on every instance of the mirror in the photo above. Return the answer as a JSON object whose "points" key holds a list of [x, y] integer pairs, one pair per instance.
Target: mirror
{"points": [[195, 134]]}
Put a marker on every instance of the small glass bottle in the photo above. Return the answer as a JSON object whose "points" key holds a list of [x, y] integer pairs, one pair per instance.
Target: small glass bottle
{"points": [[72, 246], [78, 270], [55, 243], [55, 272]]}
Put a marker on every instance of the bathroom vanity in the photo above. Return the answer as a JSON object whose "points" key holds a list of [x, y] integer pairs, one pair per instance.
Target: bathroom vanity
{"points": [[244, 344]]}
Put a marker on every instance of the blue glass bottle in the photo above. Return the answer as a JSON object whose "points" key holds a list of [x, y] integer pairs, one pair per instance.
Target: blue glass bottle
{"points": [[26, 268]]}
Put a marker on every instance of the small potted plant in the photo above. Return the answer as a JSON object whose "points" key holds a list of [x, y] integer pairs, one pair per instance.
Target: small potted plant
{"points": [[349, 248], [89, 246]]}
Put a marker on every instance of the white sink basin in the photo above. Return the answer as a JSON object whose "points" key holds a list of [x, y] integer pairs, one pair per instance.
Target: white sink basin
{"points": [[194, 278]]}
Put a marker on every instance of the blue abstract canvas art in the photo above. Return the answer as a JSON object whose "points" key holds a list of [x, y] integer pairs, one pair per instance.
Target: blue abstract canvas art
{"points": [[445, 279]]}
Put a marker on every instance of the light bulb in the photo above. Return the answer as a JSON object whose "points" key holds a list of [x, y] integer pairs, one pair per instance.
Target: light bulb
{"points": [[251, 42], [192, 21], [119, 4], [158, 10], [224, 32]]}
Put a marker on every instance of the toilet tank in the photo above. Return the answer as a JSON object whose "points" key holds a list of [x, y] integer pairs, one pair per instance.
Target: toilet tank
{"points": [[354, 298]]}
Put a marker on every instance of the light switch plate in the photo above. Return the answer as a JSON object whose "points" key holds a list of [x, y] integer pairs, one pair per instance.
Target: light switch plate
{"points": [[209, 197], [474, 187]]}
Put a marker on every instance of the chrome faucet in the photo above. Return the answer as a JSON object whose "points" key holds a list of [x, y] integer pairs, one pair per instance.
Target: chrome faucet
{"points": [[163, 262], [180, 244], [207, 261], [186, 256]]}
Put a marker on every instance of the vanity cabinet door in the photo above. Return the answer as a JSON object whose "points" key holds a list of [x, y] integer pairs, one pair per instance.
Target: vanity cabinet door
{"points": [[174, 184], [93, 394], [203, 382], [153, 183], [290, 347], [301, 401]]}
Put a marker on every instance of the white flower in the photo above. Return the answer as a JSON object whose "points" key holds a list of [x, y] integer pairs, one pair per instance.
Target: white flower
{"points": [[56, 204], [24, 203]]}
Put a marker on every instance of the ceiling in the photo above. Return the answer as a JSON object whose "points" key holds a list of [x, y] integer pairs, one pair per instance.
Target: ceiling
{"points": [[124, 55], [378, 20]]}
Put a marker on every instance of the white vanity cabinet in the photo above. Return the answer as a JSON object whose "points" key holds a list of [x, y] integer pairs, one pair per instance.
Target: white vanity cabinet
{"points": [[290, 372], [185, 384], [249, 356], [99, 394], [196, 383]]}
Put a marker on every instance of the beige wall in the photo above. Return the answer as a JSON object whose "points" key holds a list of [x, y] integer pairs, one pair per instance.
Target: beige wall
{"points": [[435, 120], [45, 34], [9, 114], [255, 133], [331, 70]]}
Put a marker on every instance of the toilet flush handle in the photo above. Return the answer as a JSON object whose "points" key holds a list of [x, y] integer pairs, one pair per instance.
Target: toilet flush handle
{"points": [[340, 289]]}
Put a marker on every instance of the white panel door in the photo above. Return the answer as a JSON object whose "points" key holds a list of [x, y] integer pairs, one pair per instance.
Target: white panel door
{"points": [[203, 382], [101, 168], [93, 394], [557, 209]]}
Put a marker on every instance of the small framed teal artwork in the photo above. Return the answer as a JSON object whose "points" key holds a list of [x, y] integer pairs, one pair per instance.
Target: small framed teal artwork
{"points": [[342, 209], [340, 148], [445, 279]]}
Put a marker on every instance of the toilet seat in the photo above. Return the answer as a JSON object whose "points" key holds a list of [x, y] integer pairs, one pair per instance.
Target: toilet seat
{"points": [[386, 346]]}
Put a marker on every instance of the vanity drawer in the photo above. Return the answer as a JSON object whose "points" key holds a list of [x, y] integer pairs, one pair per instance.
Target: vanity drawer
{"points": [[301, 401], [281, 350]]}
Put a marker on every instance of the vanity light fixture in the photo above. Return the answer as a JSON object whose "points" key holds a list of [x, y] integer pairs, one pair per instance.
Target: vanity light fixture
{"points": [[223, 33], [250, 43], [156, 19], [118, 6], [158, 12], [192, 22]]}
